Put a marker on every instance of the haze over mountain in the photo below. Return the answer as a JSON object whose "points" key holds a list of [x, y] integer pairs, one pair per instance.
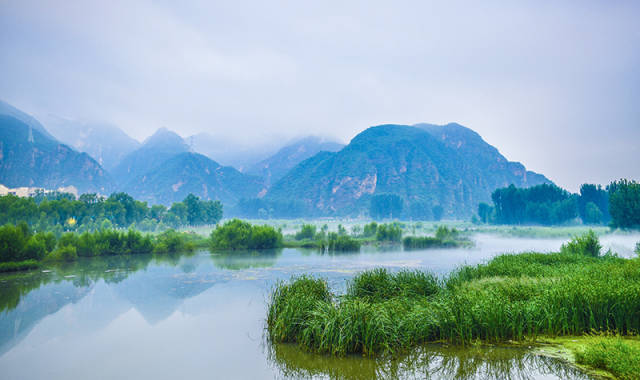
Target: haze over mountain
{"points": [[175, 178], [430, 165], [106, 143], [156, 149], [9, 110], [29, 157], [240, 154], [276, 166]]}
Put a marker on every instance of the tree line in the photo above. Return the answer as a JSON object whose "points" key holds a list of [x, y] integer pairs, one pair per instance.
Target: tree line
{"points": [[617, 205], [59, 212]]}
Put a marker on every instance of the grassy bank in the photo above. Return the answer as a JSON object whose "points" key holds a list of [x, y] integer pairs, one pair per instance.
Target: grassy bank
{"points": [[512, 297], [606, 355]]}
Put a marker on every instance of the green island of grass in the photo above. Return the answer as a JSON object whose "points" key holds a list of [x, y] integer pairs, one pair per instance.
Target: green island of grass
{"points": [[512, 298]]}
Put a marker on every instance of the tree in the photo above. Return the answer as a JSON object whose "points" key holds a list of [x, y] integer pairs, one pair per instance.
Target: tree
{"points": [[385, 206], [599, 197], [624, 204], [484, 212]]}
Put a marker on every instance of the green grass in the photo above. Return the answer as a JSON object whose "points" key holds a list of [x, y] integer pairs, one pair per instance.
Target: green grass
{"points": [[512, 297], [19, 266], [613, 354]]}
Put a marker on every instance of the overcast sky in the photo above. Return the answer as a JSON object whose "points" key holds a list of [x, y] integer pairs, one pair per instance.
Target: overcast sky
{"points": [[553, 84]]}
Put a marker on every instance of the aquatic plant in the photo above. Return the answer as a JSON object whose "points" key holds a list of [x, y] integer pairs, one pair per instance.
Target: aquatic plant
{"points": [[512, 297]]}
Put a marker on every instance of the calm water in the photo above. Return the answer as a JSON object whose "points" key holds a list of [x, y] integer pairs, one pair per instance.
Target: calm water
{"points": [[202, 317]]}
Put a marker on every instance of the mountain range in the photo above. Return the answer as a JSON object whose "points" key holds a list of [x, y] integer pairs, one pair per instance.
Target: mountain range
{"points": [[426, 165]]}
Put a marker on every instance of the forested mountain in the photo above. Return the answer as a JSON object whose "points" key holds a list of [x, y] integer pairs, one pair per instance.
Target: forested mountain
{"points": [[276, 166], [29, 157], [427, 166], [106, 143], [173, 179], [156, 149]]}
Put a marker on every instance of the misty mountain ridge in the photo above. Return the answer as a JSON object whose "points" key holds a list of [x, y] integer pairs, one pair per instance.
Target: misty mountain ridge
{"points": [[276, 166], [106, 143], [31, 158], [426, 165], [157, 148], [193, 173], [231, 153]]}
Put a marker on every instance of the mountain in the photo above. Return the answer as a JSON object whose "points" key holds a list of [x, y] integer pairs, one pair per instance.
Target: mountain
{"points": [[106, 143], [156, 149], [276, 166], [173, 179], [9, 110], [236, 153], [30, 158], [426, 165]]}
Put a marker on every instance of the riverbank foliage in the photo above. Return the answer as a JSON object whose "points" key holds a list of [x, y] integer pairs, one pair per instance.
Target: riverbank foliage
{"points": [[339, 243], [59, 212], [512, 297], [444, 238], [239, 235], [20, 248]]}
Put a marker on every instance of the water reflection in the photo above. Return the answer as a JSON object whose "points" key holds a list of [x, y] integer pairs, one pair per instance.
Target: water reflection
{"points": [[238, 260], [428, 362]]}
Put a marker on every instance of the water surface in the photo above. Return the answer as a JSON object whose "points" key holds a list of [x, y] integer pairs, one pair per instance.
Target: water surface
{"points": [[202, 317]]}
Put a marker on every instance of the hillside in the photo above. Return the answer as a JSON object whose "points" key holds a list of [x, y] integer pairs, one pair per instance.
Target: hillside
{"points": [[276, 166], [450, 166], [156, 149], [30, 158], [106, 143], [173, 179]]}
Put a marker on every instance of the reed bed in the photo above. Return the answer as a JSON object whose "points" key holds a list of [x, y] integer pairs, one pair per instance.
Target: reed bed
{"points": [[512, 297]]}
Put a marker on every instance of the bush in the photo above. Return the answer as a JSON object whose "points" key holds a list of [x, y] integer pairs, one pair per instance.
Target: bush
{"points": [[388, 232], [413, 242], [64, 253], [370, 229], [337, 243], [236, 234], [308, 231], [171, 241], [587, 244]]}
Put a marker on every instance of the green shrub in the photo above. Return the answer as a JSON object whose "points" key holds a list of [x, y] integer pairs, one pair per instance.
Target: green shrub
{"points": [[340, 243], [237, 235], [370, 229], [308, 231], [587, 244], [388, 232], [171, 241], [63, 253]]}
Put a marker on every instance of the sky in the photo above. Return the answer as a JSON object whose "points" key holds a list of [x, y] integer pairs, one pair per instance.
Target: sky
{"points": [[552, 84]]}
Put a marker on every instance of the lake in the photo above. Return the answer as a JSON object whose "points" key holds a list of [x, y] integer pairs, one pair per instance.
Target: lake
{"points": [[203, 316]]}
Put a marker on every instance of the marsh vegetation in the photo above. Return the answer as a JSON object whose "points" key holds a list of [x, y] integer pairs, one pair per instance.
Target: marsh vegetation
{"points": [[511, 297]]}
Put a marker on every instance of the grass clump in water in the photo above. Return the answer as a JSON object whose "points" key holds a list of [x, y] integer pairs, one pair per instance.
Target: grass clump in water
{"points": [[512, 297]]}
